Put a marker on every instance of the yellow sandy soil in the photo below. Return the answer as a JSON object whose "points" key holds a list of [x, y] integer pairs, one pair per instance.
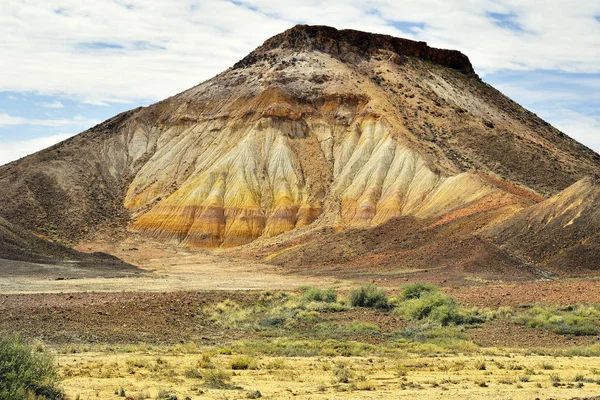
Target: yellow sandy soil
{"points": [[101, 375]]}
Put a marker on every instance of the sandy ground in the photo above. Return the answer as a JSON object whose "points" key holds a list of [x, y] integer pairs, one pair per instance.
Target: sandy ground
{"points": [[161, 268], [141, 374]]}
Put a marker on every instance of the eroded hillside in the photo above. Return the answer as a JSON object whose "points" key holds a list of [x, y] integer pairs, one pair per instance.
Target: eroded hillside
{"points": [[315, 128]]}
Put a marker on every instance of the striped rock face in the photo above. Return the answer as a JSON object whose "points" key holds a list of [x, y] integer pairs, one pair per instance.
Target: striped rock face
{"points": [[293, 135], [273, 175]]}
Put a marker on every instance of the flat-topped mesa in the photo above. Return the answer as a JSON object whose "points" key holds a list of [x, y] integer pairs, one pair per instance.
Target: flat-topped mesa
{"points": [[340, 43]]}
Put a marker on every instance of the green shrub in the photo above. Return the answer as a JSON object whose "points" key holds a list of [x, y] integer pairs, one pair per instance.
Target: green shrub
{"points": [[369, 296], [434, 306], [26, 373], [416, 290], [321, 295]]}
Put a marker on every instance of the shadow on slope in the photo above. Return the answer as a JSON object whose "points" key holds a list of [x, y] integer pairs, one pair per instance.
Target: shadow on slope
{"points": [[24, 253]]}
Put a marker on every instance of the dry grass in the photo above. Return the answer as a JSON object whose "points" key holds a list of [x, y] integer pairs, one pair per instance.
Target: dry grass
{"points": [[209, 374]]}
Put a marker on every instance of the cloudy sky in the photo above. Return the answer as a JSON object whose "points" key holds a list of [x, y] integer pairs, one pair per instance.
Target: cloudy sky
{"points": [[66, 65]]}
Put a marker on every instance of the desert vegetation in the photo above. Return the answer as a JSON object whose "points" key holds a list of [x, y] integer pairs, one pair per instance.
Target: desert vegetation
{"points": [[27, 371], [415, 340]]}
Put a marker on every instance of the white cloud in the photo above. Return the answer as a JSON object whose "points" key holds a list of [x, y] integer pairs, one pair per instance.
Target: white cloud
{"points": [[11, 120], [110, 51], [14, 149], [52, 104]]}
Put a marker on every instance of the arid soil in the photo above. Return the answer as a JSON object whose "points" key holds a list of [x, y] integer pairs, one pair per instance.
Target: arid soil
{"points": [[563, 292], [128, 317], [500, 334], [156, 318]]}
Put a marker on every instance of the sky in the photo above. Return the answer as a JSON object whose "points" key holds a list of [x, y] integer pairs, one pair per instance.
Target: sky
{"points": [[66, 65]]}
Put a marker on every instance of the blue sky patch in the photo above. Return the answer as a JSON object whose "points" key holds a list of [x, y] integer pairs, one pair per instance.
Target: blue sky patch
{"points": [[242, 4], [144, 45], [506, 21], [407, 26], [27, 115], [100, 46], [569, 101]]}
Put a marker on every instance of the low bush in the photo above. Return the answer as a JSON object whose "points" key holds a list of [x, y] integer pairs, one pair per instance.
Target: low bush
{"points": [[27, 372], [415, 290], [321, 295], [369, 296], [432, 305]]}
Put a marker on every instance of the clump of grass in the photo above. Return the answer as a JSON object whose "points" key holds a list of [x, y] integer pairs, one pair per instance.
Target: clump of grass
{"points": [[243, 362], [365, 385], [524, 378], [577, 320], [185, 348], [217, 378], [165, 395], [26, 371], [254, 394], [277, 363], [192, 373], [480, 365], [341, 373], [369, 296], [276, 310], [137, 362], [320, 295], [205, 361], [434, 338], [362, 327], [546, 365], [506, 380]]}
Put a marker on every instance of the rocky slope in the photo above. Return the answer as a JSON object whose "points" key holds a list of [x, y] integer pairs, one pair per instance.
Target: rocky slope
{"points": [[315, 128], [561, 233]]}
